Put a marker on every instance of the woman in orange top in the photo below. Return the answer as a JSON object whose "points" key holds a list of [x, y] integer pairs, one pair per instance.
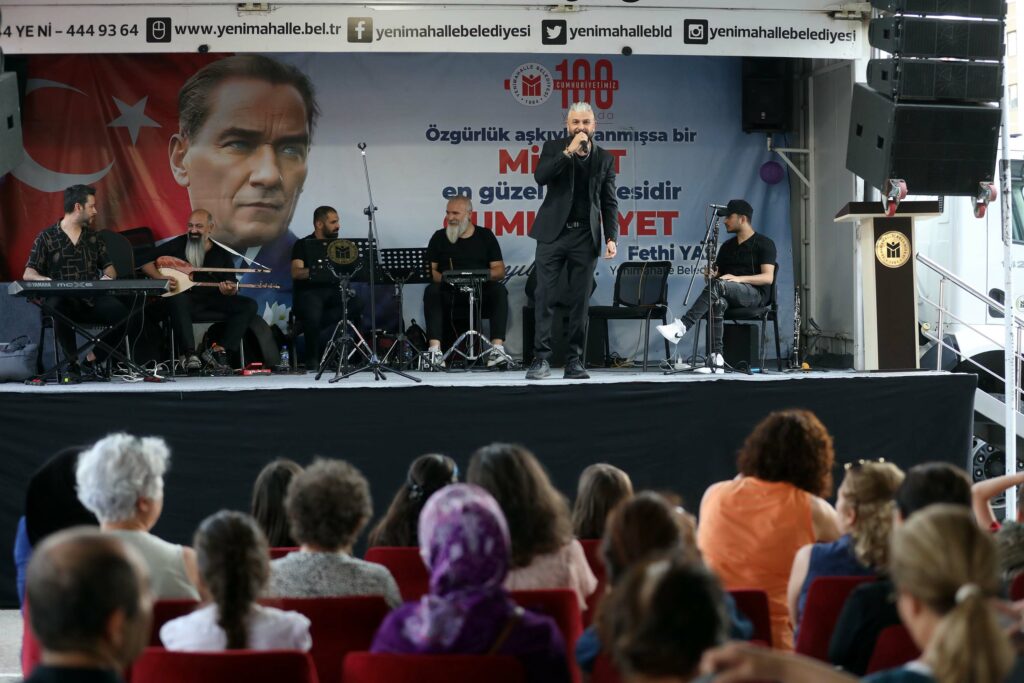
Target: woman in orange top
{"points": [[752, 526]]}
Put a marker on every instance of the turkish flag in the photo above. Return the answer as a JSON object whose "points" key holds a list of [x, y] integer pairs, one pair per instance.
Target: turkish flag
{"points": [[99, 120]]}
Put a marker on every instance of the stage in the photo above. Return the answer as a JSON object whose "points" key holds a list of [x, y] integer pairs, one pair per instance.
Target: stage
{"points": [[676, 432]]}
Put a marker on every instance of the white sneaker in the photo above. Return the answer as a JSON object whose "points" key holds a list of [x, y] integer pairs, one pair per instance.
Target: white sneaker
{"points": [[433, 358], [717, 365], [681, 364], [674, 331], [497, 357]]}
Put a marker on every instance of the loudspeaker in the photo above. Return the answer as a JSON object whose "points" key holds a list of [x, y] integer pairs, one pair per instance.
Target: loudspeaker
{"points": [[12, 148], [983, 9], [939, 149], [936, 79], [919, 37], [767, 95], [739, 344]]}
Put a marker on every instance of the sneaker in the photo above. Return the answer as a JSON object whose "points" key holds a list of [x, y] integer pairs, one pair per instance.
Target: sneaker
{"points": [[216, 359], [574, 370], [717, 365], [94, 371], [72, 373], [433, 358], [539, 369], [498, 358], [674, 331], [192, 364], [681, 364]]}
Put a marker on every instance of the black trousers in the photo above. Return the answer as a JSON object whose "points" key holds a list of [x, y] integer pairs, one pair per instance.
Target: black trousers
{"points": [[573, 251], [238, 312], [721, 295], [439, 299], [319, 309], [103, 310]]}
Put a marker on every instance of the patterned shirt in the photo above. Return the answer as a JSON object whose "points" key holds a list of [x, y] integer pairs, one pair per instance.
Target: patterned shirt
{"points": [[318, 575], [55, 256]]}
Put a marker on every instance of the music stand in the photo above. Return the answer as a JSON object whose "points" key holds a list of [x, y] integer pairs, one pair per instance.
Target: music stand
{"points": [[404, 266], [347, 261]]}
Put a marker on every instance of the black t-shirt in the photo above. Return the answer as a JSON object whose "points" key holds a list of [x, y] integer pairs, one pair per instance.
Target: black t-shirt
{"points": [[580, 189], [299, 253], [216, 257], [468, 253], [747, 258]]}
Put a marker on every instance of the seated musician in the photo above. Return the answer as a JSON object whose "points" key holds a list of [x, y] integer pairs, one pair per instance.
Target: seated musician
{"points": [[464, 246], [197, 249], [70, 249], [318, 305]]}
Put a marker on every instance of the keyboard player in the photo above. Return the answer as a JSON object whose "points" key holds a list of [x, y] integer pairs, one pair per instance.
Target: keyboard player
{"points": [[71, 249], [460, 245]]}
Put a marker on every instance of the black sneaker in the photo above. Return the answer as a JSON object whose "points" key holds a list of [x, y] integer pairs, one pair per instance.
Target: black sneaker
{"points": [[72, 374], [216, 360], [95, 371], [539, 369], [574, 370]]}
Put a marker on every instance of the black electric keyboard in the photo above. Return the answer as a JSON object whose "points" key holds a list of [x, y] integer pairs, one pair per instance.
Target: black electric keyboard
{"points": [[466, 278], [86, 287]]}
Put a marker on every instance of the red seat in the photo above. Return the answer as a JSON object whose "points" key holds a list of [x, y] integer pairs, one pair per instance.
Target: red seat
{"points": [[166, 610], [825, 600], [364, 667], [562, 605], [604, 670], [338, 626], [31, 652], [157, 665], [278, 553], [893, 648], [592, 549], [1017, 587], [754, 606], [406, 565]]}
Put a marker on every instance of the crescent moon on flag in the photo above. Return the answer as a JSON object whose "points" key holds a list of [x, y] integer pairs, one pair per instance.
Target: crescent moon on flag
{"points": [[34, 174]]}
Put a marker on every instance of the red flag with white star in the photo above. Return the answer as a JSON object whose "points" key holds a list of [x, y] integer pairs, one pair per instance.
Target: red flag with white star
{"points": [[99, 120]]}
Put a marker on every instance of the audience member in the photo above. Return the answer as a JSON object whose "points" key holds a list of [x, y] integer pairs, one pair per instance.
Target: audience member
{"points": [[600, 489], [946, 573], [464, 541], [91, 606], [982, 493], [268, 501], [328, 504], [1010, 541], [234, 566], [864, 505], [651, 638], [544, 552], [120, 480], [870, 608], [427, 475], [751, 527]]}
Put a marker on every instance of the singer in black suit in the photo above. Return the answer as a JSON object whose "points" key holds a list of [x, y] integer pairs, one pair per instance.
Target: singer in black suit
{"points": [[576, 223]]}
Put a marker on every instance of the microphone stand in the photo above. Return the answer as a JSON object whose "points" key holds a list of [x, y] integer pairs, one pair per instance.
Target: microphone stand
{"points": [[373, 364]]}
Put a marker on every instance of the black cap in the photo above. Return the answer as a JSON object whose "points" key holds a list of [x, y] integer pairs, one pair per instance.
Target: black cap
{"points": [[739, 206]]}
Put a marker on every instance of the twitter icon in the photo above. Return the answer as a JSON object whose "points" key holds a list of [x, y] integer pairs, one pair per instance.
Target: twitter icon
{"points": [[553, 32]]}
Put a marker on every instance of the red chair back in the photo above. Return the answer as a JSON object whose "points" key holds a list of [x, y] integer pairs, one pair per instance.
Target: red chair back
{"points": [[592, 549], [754, 606], [278, 553], [157, 665], [562, 605], [406, 565], [337, 625], [604, 670], [31, 652], [166, 610], [1017, 587], [364, 667], [893, 648], [825, 600]]}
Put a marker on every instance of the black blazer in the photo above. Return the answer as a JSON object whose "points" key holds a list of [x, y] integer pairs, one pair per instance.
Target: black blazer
{"points": [[555, 171]]}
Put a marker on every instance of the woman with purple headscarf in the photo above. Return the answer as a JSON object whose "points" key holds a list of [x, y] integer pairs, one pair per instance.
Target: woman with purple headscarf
{"points": [[465, 544]]}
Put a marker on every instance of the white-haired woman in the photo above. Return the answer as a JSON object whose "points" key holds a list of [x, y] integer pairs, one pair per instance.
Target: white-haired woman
{"points": [[121, 481]]}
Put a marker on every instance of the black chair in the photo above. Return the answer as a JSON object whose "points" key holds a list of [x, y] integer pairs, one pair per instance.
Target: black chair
{"points": [[142, 243], [641, 292], [758, 314]]}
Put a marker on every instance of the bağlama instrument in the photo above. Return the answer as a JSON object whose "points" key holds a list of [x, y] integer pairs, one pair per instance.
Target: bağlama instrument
{"points": [[181, 272]]}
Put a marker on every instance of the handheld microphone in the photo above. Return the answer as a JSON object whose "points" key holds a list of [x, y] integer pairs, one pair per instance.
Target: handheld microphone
{"points": [[585, 146]]}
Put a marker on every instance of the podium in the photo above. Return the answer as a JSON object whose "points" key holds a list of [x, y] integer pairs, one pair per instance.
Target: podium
{"points": [[885, 272]]}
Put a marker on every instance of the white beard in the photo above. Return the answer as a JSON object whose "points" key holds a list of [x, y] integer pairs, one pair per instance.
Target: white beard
{"points": [[195, 253], [456, 231]]}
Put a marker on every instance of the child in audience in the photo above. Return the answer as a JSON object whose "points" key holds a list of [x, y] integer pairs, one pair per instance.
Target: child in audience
{"points": [[233, 567], [464, 542], [544, 552], [601, 488], [268, 501], [427, 475]]}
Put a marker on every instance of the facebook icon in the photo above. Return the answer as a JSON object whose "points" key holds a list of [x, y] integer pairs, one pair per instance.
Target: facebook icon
{"points": [[360, 30]]}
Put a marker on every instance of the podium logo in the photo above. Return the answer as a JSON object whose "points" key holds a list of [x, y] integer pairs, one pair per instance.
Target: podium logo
{"points": [[360, 30], [158, 30], [695, 31], [892, 249], [553, 32]]}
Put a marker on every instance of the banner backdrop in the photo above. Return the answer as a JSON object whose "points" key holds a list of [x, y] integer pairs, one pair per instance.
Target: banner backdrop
{"points": [[434, 125]]}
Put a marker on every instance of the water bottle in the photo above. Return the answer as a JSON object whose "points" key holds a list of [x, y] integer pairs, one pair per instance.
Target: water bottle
{"points": [[285, 358]]}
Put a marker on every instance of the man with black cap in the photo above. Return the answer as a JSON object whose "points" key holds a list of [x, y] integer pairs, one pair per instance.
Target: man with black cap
{"points": [[741, 277]]}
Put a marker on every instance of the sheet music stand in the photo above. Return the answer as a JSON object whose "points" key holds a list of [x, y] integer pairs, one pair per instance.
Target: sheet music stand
{"points": [[404, 266]]}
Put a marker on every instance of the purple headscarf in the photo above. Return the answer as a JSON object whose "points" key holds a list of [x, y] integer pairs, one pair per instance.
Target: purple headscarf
{"points": [[465, 544]]}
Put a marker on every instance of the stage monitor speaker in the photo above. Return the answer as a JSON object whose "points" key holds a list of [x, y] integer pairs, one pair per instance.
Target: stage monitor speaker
{"points": [[767, 95], [938, 149], [982, 9], [12, 149], [918, 37], [937, 79], [740, 344]]}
